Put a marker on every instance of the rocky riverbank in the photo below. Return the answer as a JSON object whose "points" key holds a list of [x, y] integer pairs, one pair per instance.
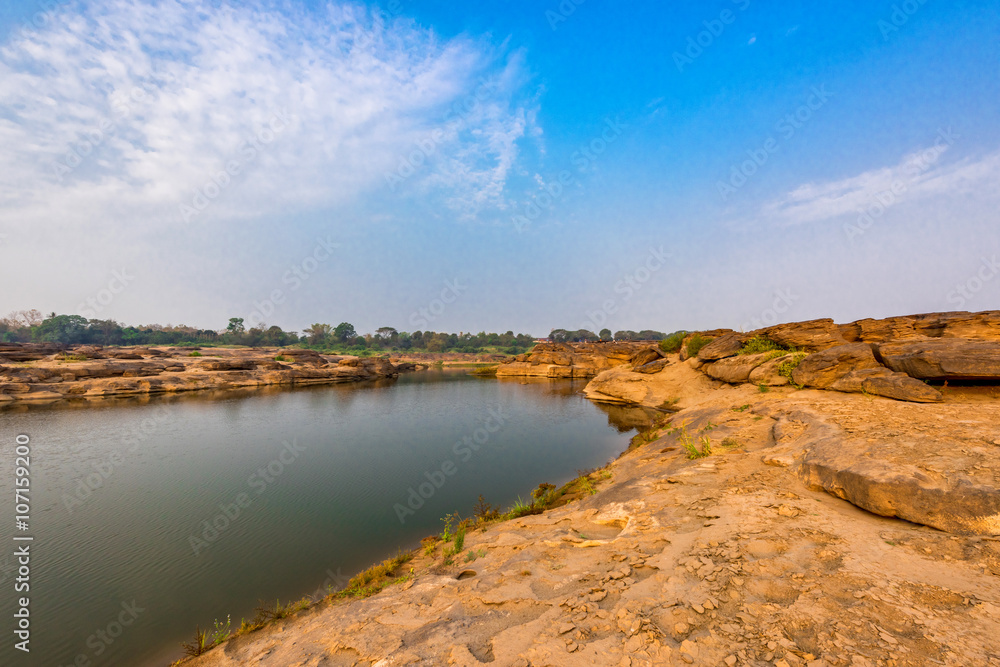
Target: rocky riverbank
{"points": [[39, 373], [758, 524]]}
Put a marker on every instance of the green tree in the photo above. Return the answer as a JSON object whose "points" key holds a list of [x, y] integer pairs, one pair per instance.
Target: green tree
{"points": [[235, 326], [345, 332], [605, 334], [65, 329], [318, 333]]}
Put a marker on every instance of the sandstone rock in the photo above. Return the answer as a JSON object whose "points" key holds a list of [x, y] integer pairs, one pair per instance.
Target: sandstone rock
{"points": [[653, 366], [724, 346], [814, 335], [888, 484], [226, 365], [767, 373], [735, 370], [943, 358], [902, 388], [645, 356], [981, 326], [853, 381], [822, 369]]}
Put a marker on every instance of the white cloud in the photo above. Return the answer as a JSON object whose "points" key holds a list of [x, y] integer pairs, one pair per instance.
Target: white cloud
{"points": [[917, 176], [157, 96]]}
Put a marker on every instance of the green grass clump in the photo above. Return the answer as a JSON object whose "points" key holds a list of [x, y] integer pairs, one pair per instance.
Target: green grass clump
{"points": [[695, 344], [759, 344], [672, 343], [786, 368], [196, 353], [375, 578], [485, 371]]}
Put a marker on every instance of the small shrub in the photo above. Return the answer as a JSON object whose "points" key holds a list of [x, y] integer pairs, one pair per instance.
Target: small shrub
{"points": [[199, 645], [220, 633], [542, 494], [786, 368], [483, 511], [695, 344], [196, 353], [763, 388], [281, 357], [672, 343], [759, 344], [691, 448], [460, 538]]}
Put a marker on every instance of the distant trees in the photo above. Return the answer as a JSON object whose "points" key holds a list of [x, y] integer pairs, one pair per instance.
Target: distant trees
{"points": [[605, 335], [318, 333], [578, 336], [345, 332]]}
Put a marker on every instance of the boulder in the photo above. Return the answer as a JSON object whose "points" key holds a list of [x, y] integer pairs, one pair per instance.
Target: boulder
{"points": [[724, 346], [981, 326], [883, 477], [735, 370], [943, 358], [821, 369], [645, 356], [653, 366], [812, 336], [767, 373], [853, 382], [901, 387]]}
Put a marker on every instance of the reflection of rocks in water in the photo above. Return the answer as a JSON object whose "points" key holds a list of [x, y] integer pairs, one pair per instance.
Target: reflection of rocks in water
{"points": [[628, 417]]}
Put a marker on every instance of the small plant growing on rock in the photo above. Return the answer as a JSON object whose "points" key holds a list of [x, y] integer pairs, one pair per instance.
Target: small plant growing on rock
{"points": [[759, 344], [196, 353], [696, 343], [199, 645], [763, 388], [692, 449], [786, 368], [742, 408], [672, 343], [483, 511]]}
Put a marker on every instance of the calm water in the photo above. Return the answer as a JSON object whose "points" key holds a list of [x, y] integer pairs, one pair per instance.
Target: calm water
{"points": [[121, 493]]}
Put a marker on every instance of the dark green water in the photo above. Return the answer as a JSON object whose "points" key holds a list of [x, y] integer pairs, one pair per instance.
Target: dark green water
{"points": [[121, 493]]}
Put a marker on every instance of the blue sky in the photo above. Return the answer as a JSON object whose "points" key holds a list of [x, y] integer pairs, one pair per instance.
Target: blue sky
{"points": [[499, 165]]}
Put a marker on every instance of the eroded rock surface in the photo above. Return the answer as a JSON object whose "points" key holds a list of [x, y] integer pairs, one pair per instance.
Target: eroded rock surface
{"points": [[62, 374]]}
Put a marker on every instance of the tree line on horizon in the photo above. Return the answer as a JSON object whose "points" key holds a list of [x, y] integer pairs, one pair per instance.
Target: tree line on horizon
{"points": [[586, 336], [30, 326]]}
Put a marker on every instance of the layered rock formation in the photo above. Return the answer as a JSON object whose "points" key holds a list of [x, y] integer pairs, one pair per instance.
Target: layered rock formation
{"points": [[572, 360], [894, 358], [47, 373]]}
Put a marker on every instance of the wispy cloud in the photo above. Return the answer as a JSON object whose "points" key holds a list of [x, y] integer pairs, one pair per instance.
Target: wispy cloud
{"points": [[918, 175], [117, 112]]}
